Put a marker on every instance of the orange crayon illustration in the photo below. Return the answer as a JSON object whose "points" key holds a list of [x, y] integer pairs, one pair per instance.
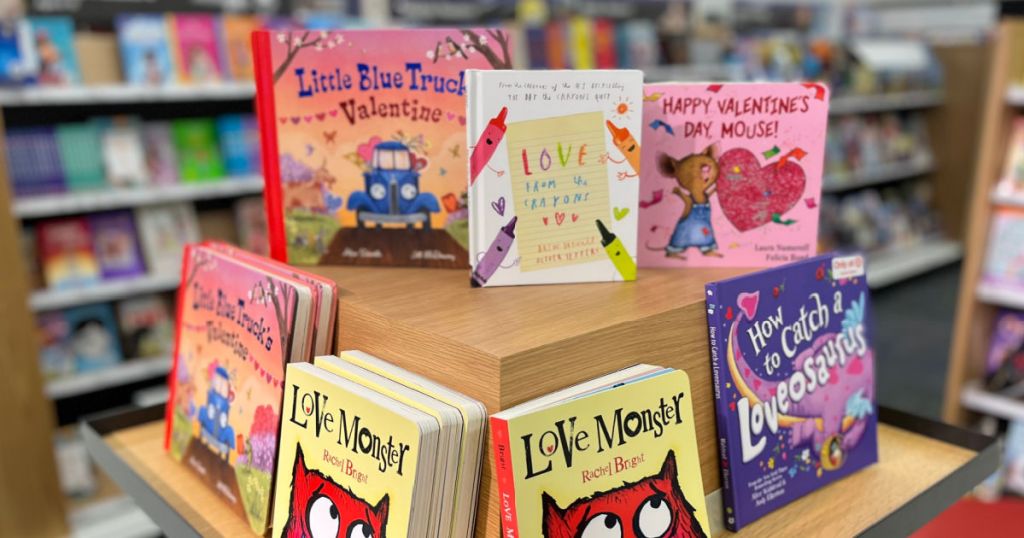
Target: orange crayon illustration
{"points": [[628, 145]]}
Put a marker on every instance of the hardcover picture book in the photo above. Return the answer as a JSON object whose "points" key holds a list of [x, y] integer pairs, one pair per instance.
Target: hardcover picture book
{"points": [[615, 456], [81, 155], [147, 327], [34, 161], [1005, 250], [196, 42], [164, 231], [554, 172], [732, 173], [66, 253], [144, 42], [92, 337], [124, 156], [161, 157], [195, 142], [116, 244], [54, 39], [236, 31], [794, 372], [364, 142], [353, 462], [237, 327]]}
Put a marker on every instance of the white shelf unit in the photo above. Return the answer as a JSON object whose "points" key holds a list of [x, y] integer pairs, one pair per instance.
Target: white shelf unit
{"points": [[129, 371], [885, 102], [878, 175], [103, 291], [893, 265], [976, 398], [122, 94], [997, 295], [1007, 199], [52, 205]]}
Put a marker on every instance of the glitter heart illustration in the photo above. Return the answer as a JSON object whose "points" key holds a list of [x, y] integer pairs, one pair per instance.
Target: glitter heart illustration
{"points": [[750, 193], [499, 206]]}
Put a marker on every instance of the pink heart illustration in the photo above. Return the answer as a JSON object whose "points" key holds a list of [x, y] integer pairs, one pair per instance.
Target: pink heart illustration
{"points": [[499, 206], [462, 120], [833, 377], [308, 118], [320, 116], [856, 366], [750, 193], [333, 112], [451, 116], [283, 120], [757, 384], [748, 303], [545, 219], [365, 151], [295, 120]]}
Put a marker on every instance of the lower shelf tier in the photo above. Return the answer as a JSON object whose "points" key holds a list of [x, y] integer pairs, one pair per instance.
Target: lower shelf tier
{"points": [[924, 467]]}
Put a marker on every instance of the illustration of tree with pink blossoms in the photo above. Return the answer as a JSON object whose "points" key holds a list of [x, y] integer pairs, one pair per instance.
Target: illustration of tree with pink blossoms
{"points": [[201, 261], [282, 298], [317, 40], [475, 43]]}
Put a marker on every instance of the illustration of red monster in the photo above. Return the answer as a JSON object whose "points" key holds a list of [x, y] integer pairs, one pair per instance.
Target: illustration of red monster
{"points": [[653, 507], [319, 508]]}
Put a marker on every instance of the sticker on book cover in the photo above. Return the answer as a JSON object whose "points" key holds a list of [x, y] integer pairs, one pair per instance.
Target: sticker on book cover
{"points": [[845, 267]]}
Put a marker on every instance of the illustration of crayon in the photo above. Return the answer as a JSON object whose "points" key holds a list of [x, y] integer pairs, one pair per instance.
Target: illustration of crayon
{"points": [[617, 253], [487, 144], [626, 143], [492, 259]]}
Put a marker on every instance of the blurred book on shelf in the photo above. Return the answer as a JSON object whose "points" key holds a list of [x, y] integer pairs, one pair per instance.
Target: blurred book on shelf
{"points": [[165, 230], [873, 220]]}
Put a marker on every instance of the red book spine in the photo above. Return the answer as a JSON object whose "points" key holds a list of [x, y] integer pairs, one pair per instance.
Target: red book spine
{"points": [[172, 377], [266, 116], [506, 480]]}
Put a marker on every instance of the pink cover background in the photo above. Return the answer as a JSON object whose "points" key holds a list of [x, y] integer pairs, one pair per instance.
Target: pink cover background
{"points": [[198, 31], [799, 130]]}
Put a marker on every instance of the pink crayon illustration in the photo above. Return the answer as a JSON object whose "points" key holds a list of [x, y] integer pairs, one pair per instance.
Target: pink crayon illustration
{"points": [[495, 254], [487, 144]]}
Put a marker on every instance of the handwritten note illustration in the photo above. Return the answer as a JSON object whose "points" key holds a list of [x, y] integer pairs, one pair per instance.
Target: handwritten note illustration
{"points": [[559, 188]]}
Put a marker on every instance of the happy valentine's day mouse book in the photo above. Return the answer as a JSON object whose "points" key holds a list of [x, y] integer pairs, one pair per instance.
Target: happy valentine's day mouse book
{"points": [[364, 142], [794, 381], [613, 456], [554, 166], [732, 173]]}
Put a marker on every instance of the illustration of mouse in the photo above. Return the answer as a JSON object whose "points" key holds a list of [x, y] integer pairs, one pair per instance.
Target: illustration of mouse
{"points": [[696, 175]]}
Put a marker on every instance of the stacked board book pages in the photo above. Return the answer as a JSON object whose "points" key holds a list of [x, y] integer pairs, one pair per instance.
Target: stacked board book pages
{"points": [[368, 449], [240, 320], [794, 375], [364, 142], [615, 456], [553, 174]]}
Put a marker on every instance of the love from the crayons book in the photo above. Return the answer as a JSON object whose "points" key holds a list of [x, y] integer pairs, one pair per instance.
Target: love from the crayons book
{"points": [[732, 173], [617, 461], [554, 167], [364, 142], [794, 373], [236, 327]]}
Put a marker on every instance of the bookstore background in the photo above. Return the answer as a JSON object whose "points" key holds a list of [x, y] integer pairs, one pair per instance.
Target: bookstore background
{"points": [[251, 292]]}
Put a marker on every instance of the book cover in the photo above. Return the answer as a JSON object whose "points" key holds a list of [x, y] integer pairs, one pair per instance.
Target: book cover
{"points": [[66, 253], [557, 45], [161, 157], [164, 231], [581, 42], [1002, 266], [195, 141], [146, 326], [613, 461], [1012, 180], [794, 374], [34, 161], [364, 142], [237, 327], [553, 176], [236, 33], [82, 156], [144, 42], [93, 337], [54, 39], [1004, 364], [19, 63], [196, 47], [732, 173], [116, 244], [54, 335], [605, 55], [251, 222], [124, 155], [239, 143], [352, 460]]}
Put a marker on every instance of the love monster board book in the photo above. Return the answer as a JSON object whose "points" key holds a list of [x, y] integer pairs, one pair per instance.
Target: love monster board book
{"points": [[470, 449], [794, 374], [353, 462], [237, 326], [732, 173], [616, 456], [363, 136], [553, 172]]}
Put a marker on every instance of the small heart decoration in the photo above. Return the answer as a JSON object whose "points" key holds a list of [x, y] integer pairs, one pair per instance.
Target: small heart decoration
{"points": [[333, 112], [757, 384], [320, 116], [620, 212], [451, 116], [307, 119], [499, 206], [748, 303], [295, 120], [728, 313], [283, 120], [559, 218], [545, 219], [462, 120]]}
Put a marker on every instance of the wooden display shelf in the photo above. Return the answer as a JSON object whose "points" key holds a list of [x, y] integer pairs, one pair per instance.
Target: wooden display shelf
{"points": [[924, 467]]}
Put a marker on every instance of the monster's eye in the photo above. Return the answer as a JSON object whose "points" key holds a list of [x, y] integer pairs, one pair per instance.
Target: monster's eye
{"points": [[603, 526], [654, 517], [360, 530], [324, 520]]}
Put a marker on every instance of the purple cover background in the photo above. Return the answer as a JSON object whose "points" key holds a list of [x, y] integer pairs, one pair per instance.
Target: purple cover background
{"points": [[798, 280], [124, 220]]}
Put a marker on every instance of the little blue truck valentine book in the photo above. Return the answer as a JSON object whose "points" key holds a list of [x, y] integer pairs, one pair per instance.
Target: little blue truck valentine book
{"points": [[794, 381]]}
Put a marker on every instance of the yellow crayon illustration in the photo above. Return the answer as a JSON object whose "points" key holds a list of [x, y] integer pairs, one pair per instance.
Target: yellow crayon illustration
{"points": [[621, 259], [628, 145]]}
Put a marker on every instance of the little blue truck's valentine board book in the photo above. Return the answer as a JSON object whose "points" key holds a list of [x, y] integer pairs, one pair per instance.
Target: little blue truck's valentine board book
{"points": [[554, 167], [732, 173], [364, 142], [794, 380]]}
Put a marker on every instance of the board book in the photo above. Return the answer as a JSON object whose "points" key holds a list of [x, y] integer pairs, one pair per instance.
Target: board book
{"points": [[144, 42], [237, 326], [196, 43], [92, 337], [350, 454], [553, 172], [794, 373], [1004, 253], [54, 39], [116, 244], [66, 253], [616, 455], [164, 231], [732, 173], [363, 142]]}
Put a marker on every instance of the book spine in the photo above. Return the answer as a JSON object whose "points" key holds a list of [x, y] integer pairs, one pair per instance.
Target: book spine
{"points": [[717, 343], [266, 119], [172, 377], [506, 479]]}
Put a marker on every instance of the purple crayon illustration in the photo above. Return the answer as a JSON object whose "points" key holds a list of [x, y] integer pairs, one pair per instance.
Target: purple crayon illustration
{"points": [[491, 260]]}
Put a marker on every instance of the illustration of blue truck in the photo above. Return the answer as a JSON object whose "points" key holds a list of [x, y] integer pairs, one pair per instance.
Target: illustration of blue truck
{"points": [[213, 418], [392, 194]]}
